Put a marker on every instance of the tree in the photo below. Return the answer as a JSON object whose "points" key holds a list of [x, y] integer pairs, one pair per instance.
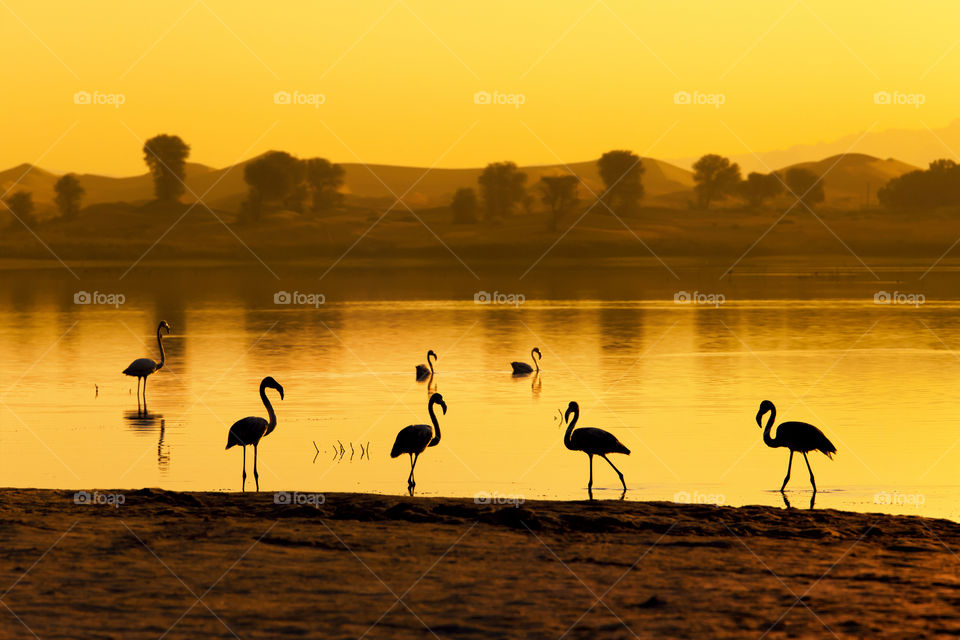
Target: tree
{"points": [[559, 193], [937, 186], [502, 187], [69, 195], [622, 175], [20, 205], [464, 206], [806, 185], [276, 176], [759, 187], [324, 180], [716, 177], [166, 156]]}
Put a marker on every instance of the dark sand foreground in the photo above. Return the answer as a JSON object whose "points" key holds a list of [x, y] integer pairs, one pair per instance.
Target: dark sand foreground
{"points": [[212, 565]]}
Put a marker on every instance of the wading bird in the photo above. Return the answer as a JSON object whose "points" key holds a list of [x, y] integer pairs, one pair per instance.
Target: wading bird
{"points": [[796, 436], [143, 367], [415, 438], [522, 368], [593, 442], [425, 371], [250, 430]]}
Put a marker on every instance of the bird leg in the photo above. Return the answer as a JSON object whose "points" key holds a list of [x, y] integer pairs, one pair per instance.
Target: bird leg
{"points": [[244, 485], [812, 481], [789, 464], [256, 476], [413, 481], [590, 482], [144, 390], [410, 477], [618, 472]]}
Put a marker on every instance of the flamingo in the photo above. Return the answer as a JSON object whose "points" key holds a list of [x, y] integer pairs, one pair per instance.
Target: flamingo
{"points": [[251, 429], [414, 439], [143, 367], [796, 436], [522, 368], [425, 371], [592, 442]]}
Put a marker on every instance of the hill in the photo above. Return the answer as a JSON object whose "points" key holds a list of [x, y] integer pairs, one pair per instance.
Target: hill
{"points": [[851, 180]]}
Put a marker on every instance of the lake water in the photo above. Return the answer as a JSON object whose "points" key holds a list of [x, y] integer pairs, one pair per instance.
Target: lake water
{"points": [[679, 384]]}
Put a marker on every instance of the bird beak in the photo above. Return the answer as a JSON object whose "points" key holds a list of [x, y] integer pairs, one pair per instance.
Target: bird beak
{"points": [[280, 389], [444, 405], [760, 414]]}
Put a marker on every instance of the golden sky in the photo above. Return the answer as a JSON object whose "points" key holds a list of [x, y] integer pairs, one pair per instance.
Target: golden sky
{"points": [[398, 77]]}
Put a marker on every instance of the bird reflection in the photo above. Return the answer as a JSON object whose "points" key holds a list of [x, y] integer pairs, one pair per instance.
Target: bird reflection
{"points": [[431, 385], [786, 501], [144, 422], [536, 385]]}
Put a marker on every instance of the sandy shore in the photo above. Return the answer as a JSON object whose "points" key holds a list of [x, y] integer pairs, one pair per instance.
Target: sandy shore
{"points": [[214, 565]]}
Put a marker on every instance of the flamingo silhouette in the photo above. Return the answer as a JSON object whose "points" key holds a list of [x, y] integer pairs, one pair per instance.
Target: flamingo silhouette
{"points": [[796, 436], [251, 429], [143, 367], [425, 371], [414, 439], [592, 442], [522, 368]]}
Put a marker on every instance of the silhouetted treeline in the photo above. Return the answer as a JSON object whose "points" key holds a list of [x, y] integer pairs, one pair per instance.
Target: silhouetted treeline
{"points": [[280, 179], [936, 186]]}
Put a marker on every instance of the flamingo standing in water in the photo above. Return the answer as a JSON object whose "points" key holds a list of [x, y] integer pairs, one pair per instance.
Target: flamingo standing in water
{"points": [[414, 439], [522, 368], [796, 436], [593, 442], [250, 430], [143, 367], [425, 371]]}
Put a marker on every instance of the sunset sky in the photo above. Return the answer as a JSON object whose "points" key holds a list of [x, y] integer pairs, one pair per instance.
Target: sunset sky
{"points": [[398, 78]]}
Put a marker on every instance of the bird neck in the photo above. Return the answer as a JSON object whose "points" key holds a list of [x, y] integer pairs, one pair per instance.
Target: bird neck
{"points": [[430, 362], [533, 356], [767, 438], [160, 342], [436, 426], [567, 436], [266, 403]]}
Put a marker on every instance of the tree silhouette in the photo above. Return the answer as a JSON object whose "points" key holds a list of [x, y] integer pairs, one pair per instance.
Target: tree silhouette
{"points": [[464, 206], [622, 175], [716, 177], [937, 186], [559, 193], [324, 180], [276, 176], [806, 185], [759, 187], [69, 194], [20, 204], [502, 187], [166, 156]]}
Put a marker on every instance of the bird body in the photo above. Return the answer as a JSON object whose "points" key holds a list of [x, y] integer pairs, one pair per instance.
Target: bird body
{"points": [[522, 368], [424, 371], [252, 429], [795, 436], [143, 367], [415, 438], [593, 442]]}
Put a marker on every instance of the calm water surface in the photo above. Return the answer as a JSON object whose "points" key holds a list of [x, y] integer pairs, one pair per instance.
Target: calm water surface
{"points": [[677, 384]]}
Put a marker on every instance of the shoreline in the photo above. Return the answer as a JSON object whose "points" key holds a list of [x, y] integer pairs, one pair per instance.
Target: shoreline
{"points": [[208, 564]]}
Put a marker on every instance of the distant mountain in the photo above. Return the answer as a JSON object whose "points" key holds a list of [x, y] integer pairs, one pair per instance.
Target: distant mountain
{"points": [[916, 147], [374, 185], [852, 180]]}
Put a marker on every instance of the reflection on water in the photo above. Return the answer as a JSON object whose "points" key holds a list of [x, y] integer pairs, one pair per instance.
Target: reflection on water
{"points": [[678, 384]]}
